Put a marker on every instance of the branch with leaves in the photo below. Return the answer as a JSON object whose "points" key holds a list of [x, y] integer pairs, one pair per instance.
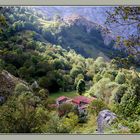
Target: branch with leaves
{"points": [[126, 16]]}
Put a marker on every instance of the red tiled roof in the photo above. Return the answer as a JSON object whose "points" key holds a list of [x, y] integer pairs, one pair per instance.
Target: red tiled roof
{"points": [[84, 99], [61, 98]]}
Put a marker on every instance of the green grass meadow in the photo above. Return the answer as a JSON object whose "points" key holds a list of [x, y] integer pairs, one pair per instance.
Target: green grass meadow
{"points": [[70, 94]]}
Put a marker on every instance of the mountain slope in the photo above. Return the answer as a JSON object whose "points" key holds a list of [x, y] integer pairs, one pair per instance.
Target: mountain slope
{"points": [[96, 14], [78, 33], [75, 32], [50, 55]]}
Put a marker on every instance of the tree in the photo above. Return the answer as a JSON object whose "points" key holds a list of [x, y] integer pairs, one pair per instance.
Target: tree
{"points": [[120, 78], [43, 81], [81, 86], [19, 115], [127, 16], [97, 77], [40, 118], [2, 21], [118, 93], [96, 106], [67, 124], [79, 76], [23, 72], [58, 64], [20, 88], [43, 94], [48, 102], [123, 62], [65, 108], [129, 105], [52, 126], [2, 64], [12, 69], [75, 71]]}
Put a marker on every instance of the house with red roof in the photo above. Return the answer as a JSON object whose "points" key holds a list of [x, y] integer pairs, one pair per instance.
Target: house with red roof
{"points": [[80, 101], [62, 99]]}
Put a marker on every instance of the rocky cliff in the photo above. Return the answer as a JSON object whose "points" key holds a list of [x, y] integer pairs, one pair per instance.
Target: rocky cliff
{"points": [[8, 83]]}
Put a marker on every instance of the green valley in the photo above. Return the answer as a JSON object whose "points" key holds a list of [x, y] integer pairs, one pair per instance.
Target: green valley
{"points": [[61, 75]]}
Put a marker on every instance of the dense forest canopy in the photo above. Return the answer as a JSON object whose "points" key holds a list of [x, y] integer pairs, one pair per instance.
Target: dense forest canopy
{"points": [[42, 59]]}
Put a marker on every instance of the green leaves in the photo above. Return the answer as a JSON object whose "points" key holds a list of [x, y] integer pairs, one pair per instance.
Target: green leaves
{"points": [[81, 86], [126, 16], [97, 105], [120, 78], [65, 108]]}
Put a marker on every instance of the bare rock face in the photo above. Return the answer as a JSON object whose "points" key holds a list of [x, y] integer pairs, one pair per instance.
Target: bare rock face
{"points": [[8, 83], [35, 85], [89, 25], [105, 118]]}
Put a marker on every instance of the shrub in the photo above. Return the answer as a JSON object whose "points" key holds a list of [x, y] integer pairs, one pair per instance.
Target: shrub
{"points": [[120, 78], [97, 77], [81, 86], [99, 60], [127, 106], [20, 88], [100, 89], [75, 71], [110, 74], [67, 124], [65, 108], [96, 106], [43, 81], [118, 93], [48, 102], [79, 76], [134, 127], [43, 93], [52, 126]]}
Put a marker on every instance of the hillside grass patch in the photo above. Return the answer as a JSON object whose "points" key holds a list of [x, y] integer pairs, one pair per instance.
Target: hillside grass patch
{"points": [[70, 94]]}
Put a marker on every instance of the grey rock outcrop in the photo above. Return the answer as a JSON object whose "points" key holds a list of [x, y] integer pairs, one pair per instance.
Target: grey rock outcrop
{"points": [[8, 83], [35, 85], [89, 25], [104, 119]]}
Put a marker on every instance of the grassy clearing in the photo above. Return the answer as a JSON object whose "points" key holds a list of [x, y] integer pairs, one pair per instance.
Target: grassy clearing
{"points": [[49, 23], [70, 94]]}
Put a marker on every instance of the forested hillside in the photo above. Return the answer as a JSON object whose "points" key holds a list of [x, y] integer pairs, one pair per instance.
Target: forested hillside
{"points": [[75, 32], [42, 59]]}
